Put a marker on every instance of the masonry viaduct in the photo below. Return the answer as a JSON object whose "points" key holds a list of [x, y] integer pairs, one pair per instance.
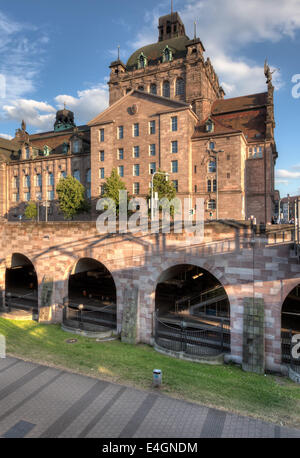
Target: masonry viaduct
{"points": [[263, 268]]}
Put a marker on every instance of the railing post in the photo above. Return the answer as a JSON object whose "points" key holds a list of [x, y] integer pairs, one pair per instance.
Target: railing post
{"points": [[222, 335]]}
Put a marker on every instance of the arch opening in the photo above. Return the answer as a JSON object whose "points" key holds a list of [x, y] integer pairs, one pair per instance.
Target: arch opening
{"points": [[192, 312], [91, 301], [21, 286], [290, 326]]}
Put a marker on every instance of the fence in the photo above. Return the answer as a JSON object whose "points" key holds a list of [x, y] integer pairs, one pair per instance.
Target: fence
{"points": [[183, 337], [90, 320], [286, 350]]}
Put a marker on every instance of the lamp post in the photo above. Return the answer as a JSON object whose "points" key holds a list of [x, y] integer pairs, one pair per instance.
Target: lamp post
{"points": [[152, 189], [217, 172]]}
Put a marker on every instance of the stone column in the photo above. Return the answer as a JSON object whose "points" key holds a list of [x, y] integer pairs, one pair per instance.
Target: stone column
{"points": [[130, 321], [254, 336]]}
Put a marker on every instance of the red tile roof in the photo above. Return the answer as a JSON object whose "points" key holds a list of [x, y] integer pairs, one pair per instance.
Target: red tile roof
{"points": [[240, 114]]}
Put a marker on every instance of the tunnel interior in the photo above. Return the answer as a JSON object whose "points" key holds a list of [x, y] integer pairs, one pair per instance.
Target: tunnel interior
{"points": [[190, 292], [291, 312], [192, 312], [92, 290], [21, 284]]}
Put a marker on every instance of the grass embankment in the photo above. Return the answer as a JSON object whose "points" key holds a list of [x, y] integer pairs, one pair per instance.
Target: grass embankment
{"points": [[227, 387]]}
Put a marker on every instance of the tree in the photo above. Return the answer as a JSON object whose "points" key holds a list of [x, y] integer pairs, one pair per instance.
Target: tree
{"points": [[164, 188], [71, 197], [31, 211], [112, 187]]}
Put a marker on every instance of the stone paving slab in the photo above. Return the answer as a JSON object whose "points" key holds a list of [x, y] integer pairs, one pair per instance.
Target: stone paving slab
{"points": [[38, 401]]}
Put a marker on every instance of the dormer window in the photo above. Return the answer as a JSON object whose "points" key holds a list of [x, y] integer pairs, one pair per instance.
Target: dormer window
{"points": [[142, 61], [167, 54], [209, 126]]}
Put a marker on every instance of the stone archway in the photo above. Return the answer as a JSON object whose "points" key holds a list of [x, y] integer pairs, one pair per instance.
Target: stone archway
{"points": [[191, 304], [21, 286], [91, 303]]}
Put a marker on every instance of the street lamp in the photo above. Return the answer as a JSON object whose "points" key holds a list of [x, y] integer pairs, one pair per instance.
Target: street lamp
{"points": [[216, 158], [152, 189]]}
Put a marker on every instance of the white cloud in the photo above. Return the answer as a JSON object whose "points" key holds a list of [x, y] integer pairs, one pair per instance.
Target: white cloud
{"points": [[21, 56], [87, 104], [281, 173], [37, 114], [41, 115], [6, 136]]}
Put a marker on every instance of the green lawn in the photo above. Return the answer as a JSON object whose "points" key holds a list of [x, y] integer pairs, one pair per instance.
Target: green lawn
{"points": [[227, 387]]}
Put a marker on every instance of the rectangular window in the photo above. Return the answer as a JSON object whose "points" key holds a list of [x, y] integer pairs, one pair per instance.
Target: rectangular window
{"points": [[26, 181], [215, 186], [174, 146], [77, 175], [195, 169], [101, 173], [101, 135], [174, 167], [120, 153], [136, 130], [120, 132], [152, 150], [16, 197], [27, 154], [212, 167], [174, 124], [136, 151], [152, 127], [101, 190], [228, 176], [136, 170], [175, 183], [38, 180], [50, 195], [16, 182], [27, 196], [101, 156], [136, 188], [195, 188], [121, 170], [152, 168]]}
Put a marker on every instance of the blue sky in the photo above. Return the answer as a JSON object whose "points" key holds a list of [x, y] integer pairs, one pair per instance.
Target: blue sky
{"points": [[57, 51]]}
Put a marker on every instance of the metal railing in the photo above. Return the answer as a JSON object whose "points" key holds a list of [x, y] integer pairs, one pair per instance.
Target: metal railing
{"points": [[90, 320], [199, 299], [206, 340]]}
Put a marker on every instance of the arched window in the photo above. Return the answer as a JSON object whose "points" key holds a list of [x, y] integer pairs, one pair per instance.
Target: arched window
{"points": [[215, 186], [209, 186], [180, 86], [166, 89], [142, 61], [153, 89]]}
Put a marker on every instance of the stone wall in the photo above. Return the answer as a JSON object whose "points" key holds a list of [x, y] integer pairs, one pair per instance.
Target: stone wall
{"points": [[245, 268]]}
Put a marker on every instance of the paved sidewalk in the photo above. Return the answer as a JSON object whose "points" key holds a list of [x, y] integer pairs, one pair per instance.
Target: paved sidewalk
{"points": [[38, 401]]}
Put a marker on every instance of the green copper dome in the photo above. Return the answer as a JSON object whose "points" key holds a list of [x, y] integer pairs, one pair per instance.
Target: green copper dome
{"points": [[154, 52]]}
